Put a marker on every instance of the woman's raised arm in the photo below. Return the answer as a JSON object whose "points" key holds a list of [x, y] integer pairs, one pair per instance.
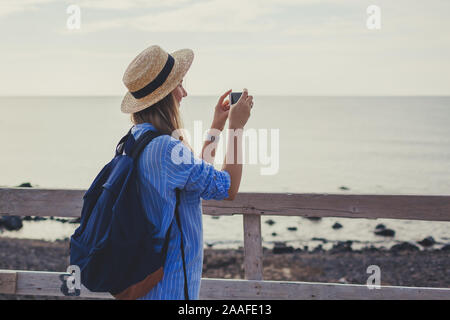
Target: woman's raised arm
{"points": [[238, 117]]}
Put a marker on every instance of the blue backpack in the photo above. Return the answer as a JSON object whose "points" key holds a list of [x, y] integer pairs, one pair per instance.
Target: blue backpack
{"points": [[115, 244]]}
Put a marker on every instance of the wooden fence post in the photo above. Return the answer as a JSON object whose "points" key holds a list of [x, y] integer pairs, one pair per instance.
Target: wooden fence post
{"points": [[253, 256]]}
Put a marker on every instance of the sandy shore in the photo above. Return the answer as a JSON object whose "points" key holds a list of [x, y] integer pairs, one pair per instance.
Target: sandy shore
{"points": [[401, 267]]}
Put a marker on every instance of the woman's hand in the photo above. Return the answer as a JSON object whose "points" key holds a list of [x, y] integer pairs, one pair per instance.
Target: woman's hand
{"points": [[221, 112]]}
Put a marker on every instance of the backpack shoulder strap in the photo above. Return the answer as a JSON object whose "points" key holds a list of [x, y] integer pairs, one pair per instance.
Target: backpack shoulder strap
{"points": [[142, 142], [166, 243], [177, 217], [121, 145]]}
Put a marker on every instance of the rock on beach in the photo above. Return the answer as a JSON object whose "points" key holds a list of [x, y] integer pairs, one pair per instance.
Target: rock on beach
{"points": [[385, 232], [337, 225], [404, 246], [427, 242], [11, 223]]}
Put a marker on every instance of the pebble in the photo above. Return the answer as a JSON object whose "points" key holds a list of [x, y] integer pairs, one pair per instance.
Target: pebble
{"points": [[427, 242], [385, 232], [337, 225], [404, 246], [11, 223], [37, 218], [25, 185]]}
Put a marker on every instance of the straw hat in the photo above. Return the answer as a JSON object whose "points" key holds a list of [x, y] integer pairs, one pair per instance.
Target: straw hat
{"points": [[152, 75]]}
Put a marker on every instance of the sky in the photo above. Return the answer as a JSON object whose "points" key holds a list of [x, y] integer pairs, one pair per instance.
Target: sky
{"points": [[271, 47]]}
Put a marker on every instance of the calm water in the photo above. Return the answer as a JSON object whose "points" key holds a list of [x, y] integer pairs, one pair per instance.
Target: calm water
{"points": [[371, 145]]}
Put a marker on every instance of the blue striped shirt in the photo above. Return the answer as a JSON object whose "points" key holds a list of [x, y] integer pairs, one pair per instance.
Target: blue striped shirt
{"points": [[158, 177]]}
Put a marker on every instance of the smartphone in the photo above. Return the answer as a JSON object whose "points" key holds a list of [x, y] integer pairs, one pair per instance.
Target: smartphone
{"points": [[234, 97]]}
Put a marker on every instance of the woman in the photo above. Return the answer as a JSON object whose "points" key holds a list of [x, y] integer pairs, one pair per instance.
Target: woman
{"points": [[155, 83]]}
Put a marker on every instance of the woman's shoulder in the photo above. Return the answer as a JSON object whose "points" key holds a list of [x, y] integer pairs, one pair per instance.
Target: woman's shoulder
{"points": [[165, 145], [167, 141]]}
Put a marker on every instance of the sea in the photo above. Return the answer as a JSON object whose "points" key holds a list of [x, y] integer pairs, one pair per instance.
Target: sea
{"points": [[296, 144]]}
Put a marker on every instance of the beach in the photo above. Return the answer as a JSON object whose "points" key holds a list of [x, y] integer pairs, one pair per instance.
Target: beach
{"points": [[403, 265]]}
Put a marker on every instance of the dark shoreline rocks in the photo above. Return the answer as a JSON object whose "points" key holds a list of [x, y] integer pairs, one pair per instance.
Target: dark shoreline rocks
{"points": [[317, 249], [424, 268], [381, 230], [385, 232], [11, 223], [320, 239], [75, 220], [380, 226], [342, 246], [281, 247], [32, 218], [337, 225], [404, 246], [427, 242], [25, 185]]}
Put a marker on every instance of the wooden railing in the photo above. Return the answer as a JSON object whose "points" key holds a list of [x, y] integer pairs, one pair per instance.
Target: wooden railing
{"points": [[68, 203]]}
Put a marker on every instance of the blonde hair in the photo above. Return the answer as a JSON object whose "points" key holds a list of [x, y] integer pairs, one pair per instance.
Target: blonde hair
{"points": [[164, 115]]}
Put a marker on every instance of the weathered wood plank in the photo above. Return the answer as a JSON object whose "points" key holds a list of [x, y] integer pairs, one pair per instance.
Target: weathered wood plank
{"points": [[41, 202], [8, 281], [49, 284], [275, 290], [253, 253], [415, 207], [43, 283], [68, 203]]}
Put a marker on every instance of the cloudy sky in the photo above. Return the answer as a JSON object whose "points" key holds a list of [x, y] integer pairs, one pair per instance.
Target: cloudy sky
{"points": [[272, 47]]}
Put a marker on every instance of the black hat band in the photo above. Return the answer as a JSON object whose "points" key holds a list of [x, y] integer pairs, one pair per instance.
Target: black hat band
{"points": [[157, 82]]}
